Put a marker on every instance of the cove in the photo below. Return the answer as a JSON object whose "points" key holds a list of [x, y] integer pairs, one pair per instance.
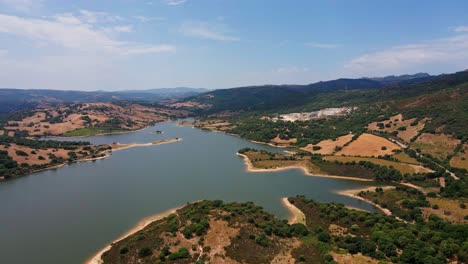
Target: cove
{"points": [[68, 214]]}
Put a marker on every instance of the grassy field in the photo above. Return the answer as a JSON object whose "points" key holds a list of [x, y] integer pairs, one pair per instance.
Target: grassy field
{"points": [[461, 159], [448, 209], [403, 157], [91, 131], [437, 145], [402, 167]]}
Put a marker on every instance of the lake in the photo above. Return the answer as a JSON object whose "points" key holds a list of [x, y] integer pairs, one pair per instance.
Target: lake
{"points": [[68, 214]]}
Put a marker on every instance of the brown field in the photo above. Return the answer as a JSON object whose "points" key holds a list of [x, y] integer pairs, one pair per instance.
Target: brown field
{"points": [[283, 142], [456, 215], [353, 259], [401, 167], [214, 125], [368, 145], [33, 159], [461, 159], [328, 146], [396, 122], [437, 145], [403, 157], [131, 117]]}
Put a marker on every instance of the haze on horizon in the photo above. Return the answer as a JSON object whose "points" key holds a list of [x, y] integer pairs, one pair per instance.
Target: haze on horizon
{"points": [[127, 44]]}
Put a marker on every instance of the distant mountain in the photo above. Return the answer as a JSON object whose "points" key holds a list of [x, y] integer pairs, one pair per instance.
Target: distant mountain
{"points": [[401, 78], [267, 97], [16, 99]]}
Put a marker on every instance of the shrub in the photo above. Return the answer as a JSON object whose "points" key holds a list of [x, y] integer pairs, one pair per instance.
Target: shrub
{"points": [[144, 252], [123, 250]]}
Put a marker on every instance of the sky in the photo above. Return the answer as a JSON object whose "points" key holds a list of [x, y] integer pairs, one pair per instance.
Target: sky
{"points": [[132, 44]]}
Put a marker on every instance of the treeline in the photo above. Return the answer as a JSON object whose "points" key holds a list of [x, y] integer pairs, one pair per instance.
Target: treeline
{"points": [[386, 238]]}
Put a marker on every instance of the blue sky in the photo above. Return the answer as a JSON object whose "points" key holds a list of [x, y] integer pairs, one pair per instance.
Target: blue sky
{"points": [[131, 44]]}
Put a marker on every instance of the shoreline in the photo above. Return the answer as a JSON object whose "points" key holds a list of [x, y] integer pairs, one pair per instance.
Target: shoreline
{"points": [[296, 215], [251, 168], [118, 146], [96, 258], [107, 154], [353, 193]]}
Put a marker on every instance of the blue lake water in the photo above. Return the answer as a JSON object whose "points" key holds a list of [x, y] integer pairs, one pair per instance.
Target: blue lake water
{"points": [[68, 214]]}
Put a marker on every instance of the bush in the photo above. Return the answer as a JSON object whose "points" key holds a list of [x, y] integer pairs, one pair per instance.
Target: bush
{"points": [[183, 253], [21, 153], [435, 206], [144, 252], [123, 250]]}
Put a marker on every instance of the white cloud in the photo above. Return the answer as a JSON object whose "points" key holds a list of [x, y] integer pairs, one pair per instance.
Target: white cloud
{"points": [[452, 51], [145, 19], [461, 29], [71, 32], [319, 45], [22, 5], [175, 2], [204, 31], [92, 17]]}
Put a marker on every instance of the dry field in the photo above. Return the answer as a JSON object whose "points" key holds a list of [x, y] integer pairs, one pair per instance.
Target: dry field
{"points": [[448, 209], [328, 146], [283, 142], [403, 157], [396, 122], [33, 155], [353, 259], [401, 167], [461, 159], [437, 145], [214, 125], [368, 145], [62, 119]]}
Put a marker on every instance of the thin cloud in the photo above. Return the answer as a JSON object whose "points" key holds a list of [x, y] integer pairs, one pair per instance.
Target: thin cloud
{"points": [[461, 29], [145, 19], [72, 32], [450, 51], [204, 31], [319, 45], [22, 5], [175, 2]]}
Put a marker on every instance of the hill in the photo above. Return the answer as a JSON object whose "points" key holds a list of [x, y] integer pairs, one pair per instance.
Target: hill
{"points": [[16, 99], [217, 232]]}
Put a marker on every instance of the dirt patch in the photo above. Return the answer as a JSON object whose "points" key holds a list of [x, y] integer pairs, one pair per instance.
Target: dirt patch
{"points": [[369, 145], [337, 230], [329, 146], [218, 237], [437, 145], [287, 247], [353, 259]]}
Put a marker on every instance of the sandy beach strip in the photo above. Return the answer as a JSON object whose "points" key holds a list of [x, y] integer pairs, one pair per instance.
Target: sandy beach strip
{"points": [[252, 168], [297, 216], [119, 146], [354, 194], [96, 259]]}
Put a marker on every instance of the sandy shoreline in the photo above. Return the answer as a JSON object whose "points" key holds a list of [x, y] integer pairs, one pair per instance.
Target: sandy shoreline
{"points": [[297, 216], [116, 147], [96, 259], [354, 194], [251, 168]]}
